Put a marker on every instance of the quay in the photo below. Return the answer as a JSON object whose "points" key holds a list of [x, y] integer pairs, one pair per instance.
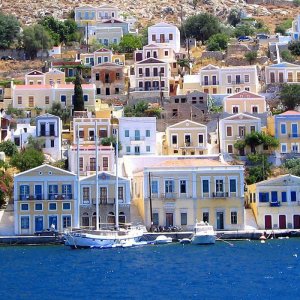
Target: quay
{"points": [[151, 236]]}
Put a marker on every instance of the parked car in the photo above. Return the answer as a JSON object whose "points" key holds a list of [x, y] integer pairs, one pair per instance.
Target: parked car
{"points": [[244, 38], [262, 36], [7, 57]]}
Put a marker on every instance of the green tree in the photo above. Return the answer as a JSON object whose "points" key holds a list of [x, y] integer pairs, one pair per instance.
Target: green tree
{"points": [[244, 29], [130, 43], [57, 110], [6, 186], [234, 16], [294, 47], [296, 3], [217, 42], [9, 148], [35, 143], [111, 141], [240, 145], [253, 140], [201, 27], [290, 96], [36, 38], [258, 169], [284, 26], [27, 159], [287, 56], [251, 57], [78, 94], [293, 166], [9, 30]]}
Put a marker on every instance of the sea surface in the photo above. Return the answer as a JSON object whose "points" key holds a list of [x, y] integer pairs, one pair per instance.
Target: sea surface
{"points": [[243, 270]]}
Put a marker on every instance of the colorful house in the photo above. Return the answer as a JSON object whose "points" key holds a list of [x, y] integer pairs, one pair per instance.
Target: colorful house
{"points": [[275, 202], [44, 197], [184, 190], [282, 73]]}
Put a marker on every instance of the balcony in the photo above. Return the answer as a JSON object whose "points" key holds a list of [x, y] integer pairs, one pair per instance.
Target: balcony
{"points": [[212, 82], [294, 135], [274, 204], [47, 133], [234, 82], [137, 138], [92, 168], [105, 201], [240, 137], [60, 196], [149, 89], [162, 40], [169, 196], [220, 195], [31, 197]]}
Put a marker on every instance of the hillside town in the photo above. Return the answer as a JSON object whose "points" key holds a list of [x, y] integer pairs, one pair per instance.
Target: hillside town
{"points": [[160, 127]]}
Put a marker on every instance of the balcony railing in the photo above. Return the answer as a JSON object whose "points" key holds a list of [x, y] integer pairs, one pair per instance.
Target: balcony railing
{"points": [[169, 195], [149, 89], [240, 137], [47, 133], [237, 82], [162, 40], [275, 204], [60, 196], [294, 135], [31, 197], [220, 195], [104, 200], [210, 82], [137, 138], [92, 168]]}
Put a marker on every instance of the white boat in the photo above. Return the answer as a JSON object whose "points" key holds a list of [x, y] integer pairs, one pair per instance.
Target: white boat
{"points": [[185, 241], [162, 239], [203, 234], [80, 238]]}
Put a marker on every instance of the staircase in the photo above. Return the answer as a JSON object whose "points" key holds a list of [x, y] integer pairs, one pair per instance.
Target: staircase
{"points": [[7, 221], [250, 222]]}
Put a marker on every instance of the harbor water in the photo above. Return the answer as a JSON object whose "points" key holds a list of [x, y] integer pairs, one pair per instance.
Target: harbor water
{"points": [[226, 270]]}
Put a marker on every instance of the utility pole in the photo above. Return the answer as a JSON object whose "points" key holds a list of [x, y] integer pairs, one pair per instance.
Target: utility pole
{"points": [[150, 201], [87, 37], [160, 89], [219, 144]]}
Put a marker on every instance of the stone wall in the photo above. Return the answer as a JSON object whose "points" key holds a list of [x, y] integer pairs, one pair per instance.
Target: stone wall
{"points": [[217, 55]]}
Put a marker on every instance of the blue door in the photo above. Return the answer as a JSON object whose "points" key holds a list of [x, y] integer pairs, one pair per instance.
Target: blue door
{"points": [[53, 220], [274, 197], [39, 226], [38, 192], [293, 196], [294, 130]]}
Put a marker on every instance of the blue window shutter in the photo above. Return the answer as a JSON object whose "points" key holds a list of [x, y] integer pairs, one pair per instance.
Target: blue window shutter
{"points": [[283, 196], [293, 196], [232, 185], [267, 197], [260, 197], [205, 186]]}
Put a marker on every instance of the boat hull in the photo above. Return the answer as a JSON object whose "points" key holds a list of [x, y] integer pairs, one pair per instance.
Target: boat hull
{"points": [[203, 239]]}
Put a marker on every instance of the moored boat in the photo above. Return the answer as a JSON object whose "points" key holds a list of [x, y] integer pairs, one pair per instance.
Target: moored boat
{"points": [[203, 234], [162, 239]]}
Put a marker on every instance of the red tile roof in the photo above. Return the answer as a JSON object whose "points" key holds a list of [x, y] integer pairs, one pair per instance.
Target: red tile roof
{"points": [[289, 113]]}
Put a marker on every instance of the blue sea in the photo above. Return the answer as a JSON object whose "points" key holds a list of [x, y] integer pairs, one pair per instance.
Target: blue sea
{"points": [[243, 270]]}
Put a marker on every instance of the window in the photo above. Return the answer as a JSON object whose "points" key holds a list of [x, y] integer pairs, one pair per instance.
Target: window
{"points": [[81, 134], [24, 206], [155, 219], [66, 221], [252, 129], [19, 100], [99, 60], [183, 218], [52, 206], [86, 98], [283, 148], [24, 192], [233, 217], [283, 197], [118, 76], [128, 149], [166, 53], [205, 186], [247, 78], [182, 186], [219, 185], [67, 206], [86, 195], [120, 193], [235, 109], [230, 149], [169, 186], [24, 222], [105, 59], [147, 133], [293, 196], [97, 76], [283, 128], [126, 133], [174, 139], [81, 163], [153, 38], [205, 216], [53, 191], [171, 37], [154, 187], [147, 148], [200, 138], [67, 191], [229, 90], [263, 197], [229, 79], [254, 109], [63, 98], [98, 91], [102, 132], [38, 206], [31, 101], [229, 131], [232, 185], [105, 163], [52, 143], [46, 99]]}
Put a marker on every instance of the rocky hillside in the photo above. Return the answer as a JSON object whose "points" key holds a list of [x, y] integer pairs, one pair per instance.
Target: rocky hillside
{"points": [[146, 11]]}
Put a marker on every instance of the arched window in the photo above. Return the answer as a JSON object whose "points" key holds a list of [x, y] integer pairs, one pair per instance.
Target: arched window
{"points": [[122, 219], [111, 218], [85, 220]]}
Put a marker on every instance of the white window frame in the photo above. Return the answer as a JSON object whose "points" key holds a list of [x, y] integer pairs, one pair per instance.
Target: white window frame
{"points": [[209, 183], [283, 144], [39, 209], [227, 126], [52, 209]]}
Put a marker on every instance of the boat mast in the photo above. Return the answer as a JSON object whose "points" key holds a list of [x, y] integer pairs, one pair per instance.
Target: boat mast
{"points": [[117, 182], [78, 177], [97, 181]]}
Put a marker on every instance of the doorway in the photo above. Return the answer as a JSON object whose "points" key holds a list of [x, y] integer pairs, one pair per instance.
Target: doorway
{"points": [[268, 222], [169, 219], [282, 222], [220, 220]]}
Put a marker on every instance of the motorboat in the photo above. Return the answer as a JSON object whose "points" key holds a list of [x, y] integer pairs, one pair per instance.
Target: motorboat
{"points": [[185, 241], [82, 238], [203, 234], [162, 239]]}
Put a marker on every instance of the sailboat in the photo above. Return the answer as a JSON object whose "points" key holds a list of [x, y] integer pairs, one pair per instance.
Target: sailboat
{"points": [[99, 238]]}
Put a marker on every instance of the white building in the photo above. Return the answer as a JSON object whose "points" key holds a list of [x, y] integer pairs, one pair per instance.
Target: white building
{"points": [[295, 32], [162, 33], [49, 128], [21, 134], [137, 135]]}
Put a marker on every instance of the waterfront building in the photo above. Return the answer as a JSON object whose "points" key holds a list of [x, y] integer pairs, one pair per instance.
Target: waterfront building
{"points": [[282, 73], [137, 135], [44, 197], [235, 128], [107, 196], [275, 202], [184, 190], [244, 102], [185, 138]]}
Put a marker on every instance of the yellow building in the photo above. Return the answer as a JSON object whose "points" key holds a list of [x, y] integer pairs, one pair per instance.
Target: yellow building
{"points": [[235, 128], [184, 190], [186, 138], [275, 202], [282, 73], [244, 102], [53, 76], [44, 197]]}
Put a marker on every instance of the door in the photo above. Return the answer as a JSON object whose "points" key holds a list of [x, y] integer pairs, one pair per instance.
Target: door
{"points": [[268, 222], [52, 133], [162, 38], [147, 85], [107, 91], [137, 150], [220, 220], [280, 77], [39, 226], [38, 192], [169, 219], [294, 130], [43, 129], [282, 222], [53, 221], [103, 195], [297, 221]]}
